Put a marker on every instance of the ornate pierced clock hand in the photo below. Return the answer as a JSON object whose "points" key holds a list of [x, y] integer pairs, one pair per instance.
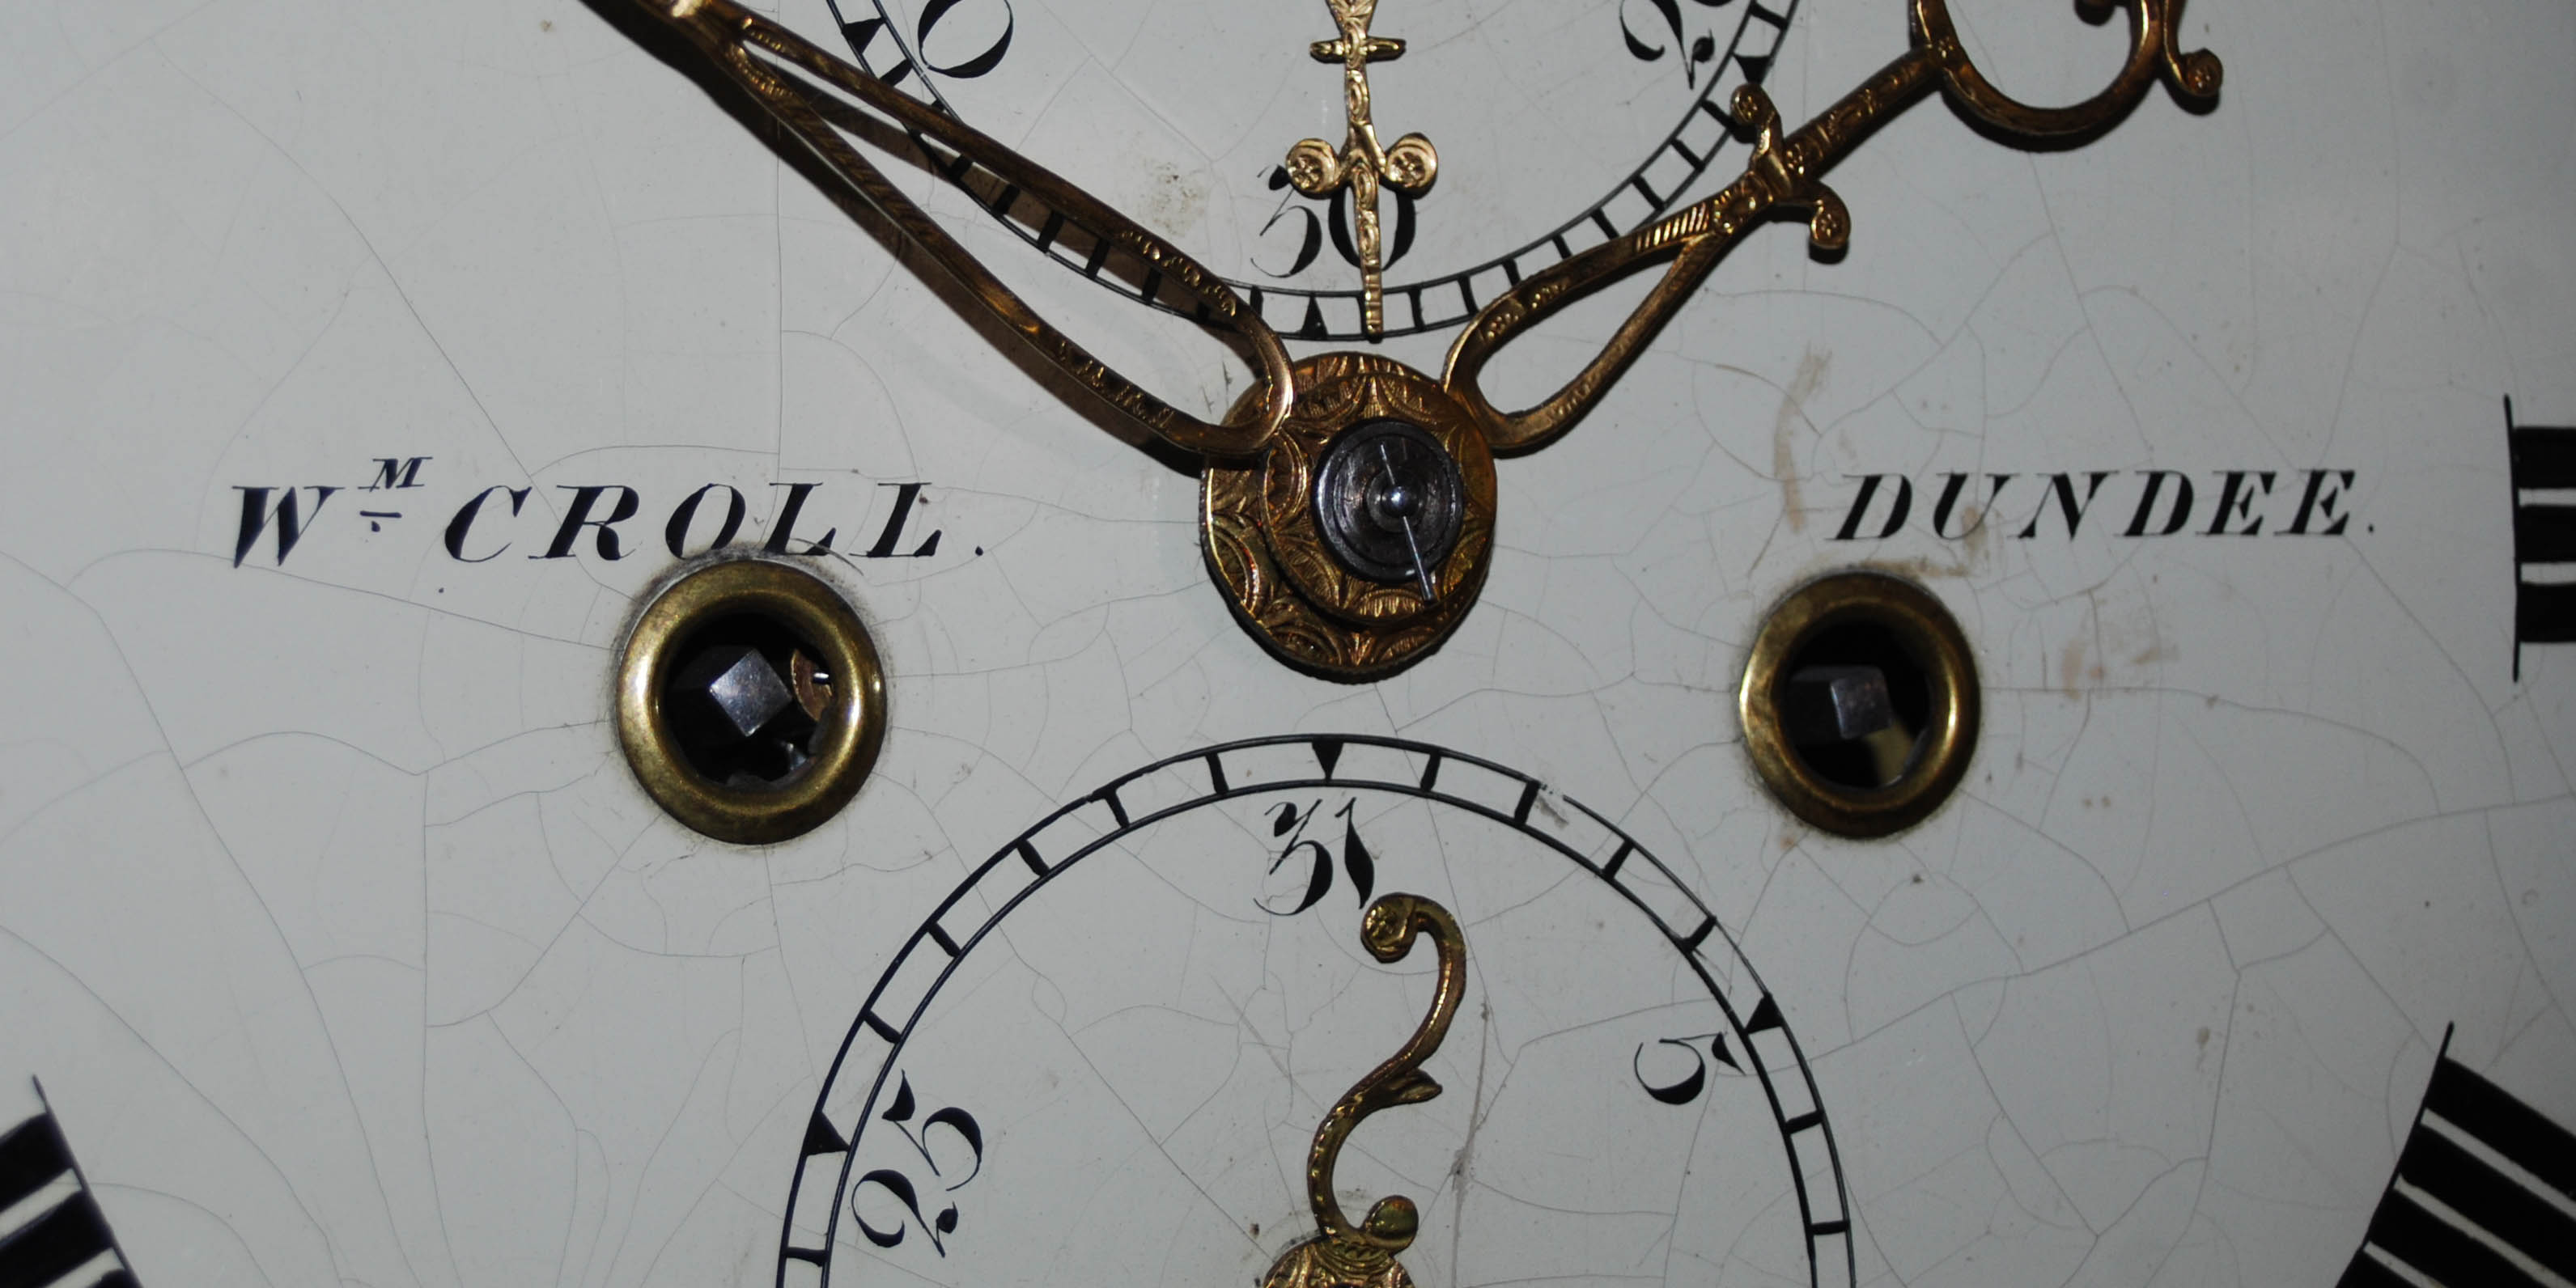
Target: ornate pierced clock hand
{"points": [[1344, 1256], [1784, 176], [1317, 170], [826, 112], [1269, 530]]}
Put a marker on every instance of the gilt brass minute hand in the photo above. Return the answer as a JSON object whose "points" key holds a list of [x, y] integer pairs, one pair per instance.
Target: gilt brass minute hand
{"points": [[1408, 167], [1784, 176]]}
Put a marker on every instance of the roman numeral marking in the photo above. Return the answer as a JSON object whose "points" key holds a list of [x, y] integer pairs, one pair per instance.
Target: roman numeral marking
{"points": [[2544, 612], [32, 1156], [48, 1249], [50, 1246], [2472, 1201]]}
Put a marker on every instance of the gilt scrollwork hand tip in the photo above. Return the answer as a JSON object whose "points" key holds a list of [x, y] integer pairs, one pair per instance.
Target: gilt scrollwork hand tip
{"points": [[1342, 1255], [1314, 168], [1411, 165]]}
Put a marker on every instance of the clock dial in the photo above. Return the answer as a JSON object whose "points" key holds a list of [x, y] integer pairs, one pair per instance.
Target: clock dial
{"points": [[371, 369], [1115, 1038]]}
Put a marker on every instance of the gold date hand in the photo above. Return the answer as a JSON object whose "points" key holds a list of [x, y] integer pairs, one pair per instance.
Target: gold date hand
{"points": [[832, 108], [1408, 167], [1784, 176], [1343, 1256]]}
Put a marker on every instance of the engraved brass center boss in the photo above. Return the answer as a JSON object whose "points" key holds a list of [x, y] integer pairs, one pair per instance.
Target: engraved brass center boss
{"points": [[1347, 504]]}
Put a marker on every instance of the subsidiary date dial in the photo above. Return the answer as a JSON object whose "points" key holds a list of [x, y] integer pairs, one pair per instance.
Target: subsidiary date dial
{"points": [[1105, 1056]]}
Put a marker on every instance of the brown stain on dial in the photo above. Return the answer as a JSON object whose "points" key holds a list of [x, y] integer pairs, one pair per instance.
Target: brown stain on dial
{"points": [[1793, 409]]}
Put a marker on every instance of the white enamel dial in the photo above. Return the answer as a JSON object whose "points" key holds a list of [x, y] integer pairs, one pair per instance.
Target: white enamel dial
{"points": [[368, 365]]}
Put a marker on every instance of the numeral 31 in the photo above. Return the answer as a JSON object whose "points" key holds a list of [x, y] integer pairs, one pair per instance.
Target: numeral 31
{"points": [[1289, 822]]}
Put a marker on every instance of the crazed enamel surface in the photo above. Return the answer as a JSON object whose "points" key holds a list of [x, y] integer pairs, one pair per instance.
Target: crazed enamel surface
{"points": [[347, 949]]}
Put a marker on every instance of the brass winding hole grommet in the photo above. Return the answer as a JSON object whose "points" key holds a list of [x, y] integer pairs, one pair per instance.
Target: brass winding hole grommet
{"points": [[750, 701], [1859, 703]]}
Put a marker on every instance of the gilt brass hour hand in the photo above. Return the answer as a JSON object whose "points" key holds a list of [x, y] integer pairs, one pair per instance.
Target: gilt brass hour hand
{"points": [[1342, 1255], [1361, 164], [834, 109]]}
